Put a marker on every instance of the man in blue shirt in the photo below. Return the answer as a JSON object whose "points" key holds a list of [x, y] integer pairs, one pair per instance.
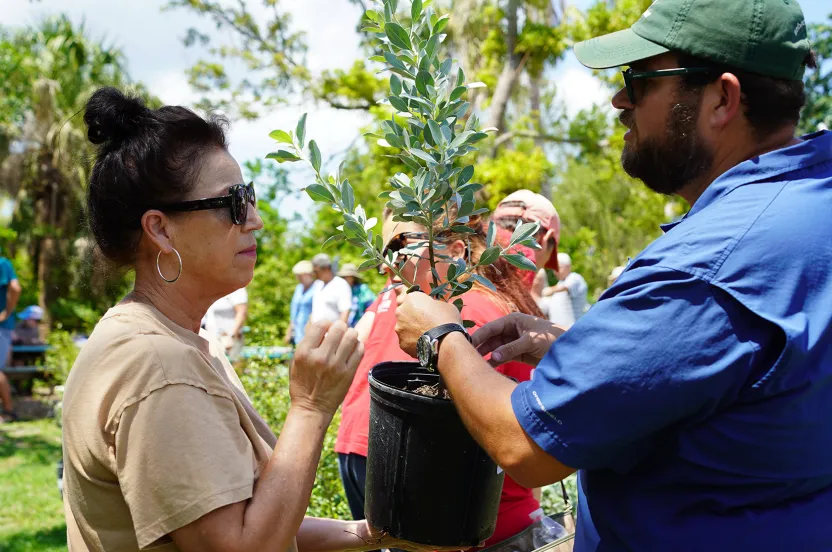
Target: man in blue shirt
{"points": [[9, 294], [696, 395]]}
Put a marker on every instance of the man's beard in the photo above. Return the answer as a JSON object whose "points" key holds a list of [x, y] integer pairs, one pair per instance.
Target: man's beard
{"points": [[668, 164]]}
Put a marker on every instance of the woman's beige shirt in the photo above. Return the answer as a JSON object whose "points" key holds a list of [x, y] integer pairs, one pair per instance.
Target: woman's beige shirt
{"points": [[157, 432]]}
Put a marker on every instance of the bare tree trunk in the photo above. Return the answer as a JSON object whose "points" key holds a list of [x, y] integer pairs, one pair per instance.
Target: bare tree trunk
{"points": [[537, 117], [511, 71]]}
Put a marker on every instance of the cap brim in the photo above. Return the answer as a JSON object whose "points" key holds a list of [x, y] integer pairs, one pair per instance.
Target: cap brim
{"points": [[616, 49]]}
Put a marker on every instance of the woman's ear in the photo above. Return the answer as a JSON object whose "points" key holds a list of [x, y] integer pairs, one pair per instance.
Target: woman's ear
{"points": [[157, 227], [457, 249]]}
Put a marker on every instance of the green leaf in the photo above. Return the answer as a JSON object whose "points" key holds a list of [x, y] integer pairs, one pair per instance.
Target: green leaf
{"points": [[435, 132], [398, 36], [281, 136], [367, 265], [394, 61], [458, 92], [416, 10], [492, 234], [411, 163], [378, 59], [459, 304], [477, 136], [524, 231], [423, 80], [460, 77], [315, 155], [319, 192], [282, 156], [399, 104], [353, 230], [451, 272], [490, 255], [373, 15], [347, 196], [424, 156], [466, 175], [463, 230], [460, 139], [332, 240], [484, 281], [441, 24], [467, 324], [520, 261], [395, 85], [430, 48], [301, 130]]}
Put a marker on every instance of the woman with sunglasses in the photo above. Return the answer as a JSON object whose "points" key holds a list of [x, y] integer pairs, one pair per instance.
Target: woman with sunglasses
{"points": [[162, 447], [519, 514]]}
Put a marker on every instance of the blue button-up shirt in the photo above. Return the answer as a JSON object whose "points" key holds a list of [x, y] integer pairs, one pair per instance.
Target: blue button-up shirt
{"points": [[696, 395]]}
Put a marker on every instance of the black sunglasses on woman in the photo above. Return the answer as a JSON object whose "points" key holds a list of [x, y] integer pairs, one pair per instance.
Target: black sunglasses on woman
{"points": [[238, 199]]}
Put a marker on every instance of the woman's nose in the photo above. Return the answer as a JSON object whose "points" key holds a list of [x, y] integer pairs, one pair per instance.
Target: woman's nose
{"points": [[253, 221]]}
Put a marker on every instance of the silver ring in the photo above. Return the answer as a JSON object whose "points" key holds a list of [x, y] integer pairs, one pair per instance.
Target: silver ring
{"points": [[159, 270]]}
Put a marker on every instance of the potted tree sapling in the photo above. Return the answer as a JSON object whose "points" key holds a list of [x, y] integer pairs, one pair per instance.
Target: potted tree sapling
{"points": [[427, 479]]}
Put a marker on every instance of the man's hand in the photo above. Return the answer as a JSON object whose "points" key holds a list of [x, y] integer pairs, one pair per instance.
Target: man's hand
{"points": [[4, 315], [324, 366], [516, 337], [417, 313]]}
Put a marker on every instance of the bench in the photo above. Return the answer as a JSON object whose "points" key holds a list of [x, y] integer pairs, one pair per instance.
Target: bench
{"points": [[24, 367]]}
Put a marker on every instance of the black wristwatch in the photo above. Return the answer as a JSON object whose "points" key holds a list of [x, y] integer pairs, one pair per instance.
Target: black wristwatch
{"points": [[427, 346]]}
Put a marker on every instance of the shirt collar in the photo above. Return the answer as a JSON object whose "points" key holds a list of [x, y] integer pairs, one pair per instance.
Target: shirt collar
{"points": [[815, 148]]}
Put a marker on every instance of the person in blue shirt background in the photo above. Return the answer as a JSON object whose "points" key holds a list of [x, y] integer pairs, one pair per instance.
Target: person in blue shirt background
{"points": [[10, 290], [696, 395], [362, 295], [301, 306]]}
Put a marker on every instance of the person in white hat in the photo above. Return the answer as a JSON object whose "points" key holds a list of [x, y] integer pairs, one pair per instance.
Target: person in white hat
{"points": [[301, 307], [362, 295], [334, 300]]}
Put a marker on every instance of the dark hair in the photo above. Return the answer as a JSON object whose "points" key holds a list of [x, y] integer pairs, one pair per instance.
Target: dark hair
{"points": [[146, 157], [769, 103]]}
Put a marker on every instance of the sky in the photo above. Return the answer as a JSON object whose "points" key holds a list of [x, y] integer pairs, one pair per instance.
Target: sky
{"points": [[151, 40]]}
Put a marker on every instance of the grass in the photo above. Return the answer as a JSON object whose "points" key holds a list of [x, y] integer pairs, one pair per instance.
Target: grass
{"points": [[31, 512]]}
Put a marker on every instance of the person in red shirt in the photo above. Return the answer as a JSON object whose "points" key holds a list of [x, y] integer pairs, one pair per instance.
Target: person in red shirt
{"points": [[527, 206], [518, 506]]}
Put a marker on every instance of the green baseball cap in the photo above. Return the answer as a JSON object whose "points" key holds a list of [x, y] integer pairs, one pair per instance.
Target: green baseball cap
{"points": [[767, 37]]}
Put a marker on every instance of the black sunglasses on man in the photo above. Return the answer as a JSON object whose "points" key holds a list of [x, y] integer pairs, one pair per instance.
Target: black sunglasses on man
{"points": [[238, 199]]}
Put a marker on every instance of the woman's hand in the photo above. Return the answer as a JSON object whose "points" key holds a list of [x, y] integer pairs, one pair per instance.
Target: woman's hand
{"points": [[324, 366], [516, 337]]}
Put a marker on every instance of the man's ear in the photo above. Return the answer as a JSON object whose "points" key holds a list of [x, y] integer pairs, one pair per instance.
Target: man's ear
{"points": [[157, 227], [722, 101]]}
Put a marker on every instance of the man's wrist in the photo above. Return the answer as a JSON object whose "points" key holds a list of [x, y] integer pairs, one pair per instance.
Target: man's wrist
{"points": [[449, 344]]}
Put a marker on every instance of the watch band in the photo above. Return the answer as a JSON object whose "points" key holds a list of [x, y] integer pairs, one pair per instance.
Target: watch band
{"points": [[439, 332]]}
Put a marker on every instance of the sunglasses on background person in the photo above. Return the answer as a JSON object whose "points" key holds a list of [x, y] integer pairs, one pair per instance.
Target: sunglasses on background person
{"points": [[238, 199]]}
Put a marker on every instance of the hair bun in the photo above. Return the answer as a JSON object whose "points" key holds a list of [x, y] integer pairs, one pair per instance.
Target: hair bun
{"points": [[111, 117]]}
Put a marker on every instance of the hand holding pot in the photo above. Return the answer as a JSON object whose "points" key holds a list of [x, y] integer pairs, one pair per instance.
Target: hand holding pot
{"points": [[417, 313], [516, 337], [324, 366]]}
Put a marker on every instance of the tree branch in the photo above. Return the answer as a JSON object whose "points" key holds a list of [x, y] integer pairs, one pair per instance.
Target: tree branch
{"points": [[500, 140]]}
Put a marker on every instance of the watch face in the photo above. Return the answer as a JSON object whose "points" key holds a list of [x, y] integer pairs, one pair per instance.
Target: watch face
{"points": [[423, 350]]}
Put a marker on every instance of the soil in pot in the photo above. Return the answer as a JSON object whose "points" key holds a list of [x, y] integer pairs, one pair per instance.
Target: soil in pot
{"points": [[428, 481]]}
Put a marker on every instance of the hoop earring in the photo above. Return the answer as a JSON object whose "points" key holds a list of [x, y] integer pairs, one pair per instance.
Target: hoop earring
{"points": [[159, 270]]}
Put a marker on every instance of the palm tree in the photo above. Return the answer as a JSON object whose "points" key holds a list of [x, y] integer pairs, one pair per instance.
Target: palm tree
{"points": [[58, 66]]}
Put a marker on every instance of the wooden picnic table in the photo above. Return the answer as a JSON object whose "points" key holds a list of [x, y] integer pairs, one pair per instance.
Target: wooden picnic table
{"points": [[26, 365]]}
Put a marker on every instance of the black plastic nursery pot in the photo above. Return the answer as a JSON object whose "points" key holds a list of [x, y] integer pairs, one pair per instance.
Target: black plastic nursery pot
{"points": [[428, 481]]}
